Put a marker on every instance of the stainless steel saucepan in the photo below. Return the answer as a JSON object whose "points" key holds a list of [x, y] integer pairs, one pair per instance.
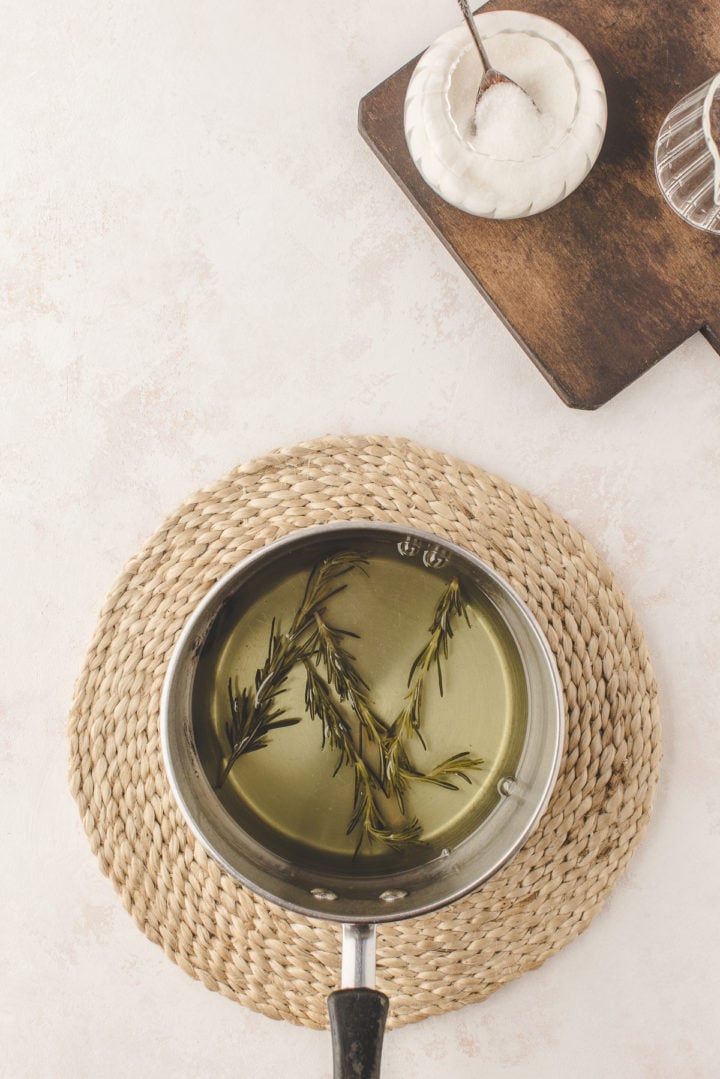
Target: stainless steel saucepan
{"points": [[365, 894]]}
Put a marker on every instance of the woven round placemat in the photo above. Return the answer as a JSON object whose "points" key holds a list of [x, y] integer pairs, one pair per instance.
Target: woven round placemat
{"points": [[282, 964]]}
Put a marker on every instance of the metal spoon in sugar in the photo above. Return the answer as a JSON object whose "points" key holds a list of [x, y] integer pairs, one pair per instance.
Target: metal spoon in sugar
{"points": [[490, 77]]}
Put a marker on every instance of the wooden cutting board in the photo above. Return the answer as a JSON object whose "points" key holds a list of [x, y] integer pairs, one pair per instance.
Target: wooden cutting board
{"points": [[602, 286]]}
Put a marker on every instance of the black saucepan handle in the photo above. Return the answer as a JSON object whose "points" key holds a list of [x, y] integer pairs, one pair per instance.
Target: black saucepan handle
{"points": [[357, 1022]]}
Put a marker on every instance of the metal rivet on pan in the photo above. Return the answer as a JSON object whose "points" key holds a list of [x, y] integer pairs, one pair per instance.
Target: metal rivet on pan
{"points": [[392, 895], [323, 893], [505, 786], [407, 547], [434, 558]]}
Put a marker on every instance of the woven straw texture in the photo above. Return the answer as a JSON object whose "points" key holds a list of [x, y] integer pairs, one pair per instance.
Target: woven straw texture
{"points": [[284, 965]]}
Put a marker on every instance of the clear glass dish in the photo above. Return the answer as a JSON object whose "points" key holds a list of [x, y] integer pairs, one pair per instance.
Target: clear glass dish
{"points": [[687, 160]]}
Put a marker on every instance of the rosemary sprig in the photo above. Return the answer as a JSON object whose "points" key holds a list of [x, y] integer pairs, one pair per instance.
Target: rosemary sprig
{"points": [[457, 765], [452, 602], [368, 814], [349, 685], [408, 721], [395, 766], [323, 584], [253, 714]]}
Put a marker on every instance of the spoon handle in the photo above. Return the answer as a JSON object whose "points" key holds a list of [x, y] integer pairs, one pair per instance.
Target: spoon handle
{"points": [[467, 15]]}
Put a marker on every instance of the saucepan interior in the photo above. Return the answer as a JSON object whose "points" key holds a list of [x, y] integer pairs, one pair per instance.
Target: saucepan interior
{"points": [[372, 883]]}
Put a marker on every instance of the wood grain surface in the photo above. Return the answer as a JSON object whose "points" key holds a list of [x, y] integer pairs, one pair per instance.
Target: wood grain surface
{"points": [[602, 286]]}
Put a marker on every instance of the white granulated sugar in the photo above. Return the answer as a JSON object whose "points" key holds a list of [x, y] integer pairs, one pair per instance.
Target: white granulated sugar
{"points": [[509, 126]]}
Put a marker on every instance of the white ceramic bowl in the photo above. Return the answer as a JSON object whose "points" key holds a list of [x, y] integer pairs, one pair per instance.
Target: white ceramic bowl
{"points": [[553, 68]]}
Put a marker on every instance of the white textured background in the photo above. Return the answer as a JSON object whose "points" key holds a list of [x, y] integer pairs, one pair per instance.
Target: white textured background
{"points": [[201, 260]]}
